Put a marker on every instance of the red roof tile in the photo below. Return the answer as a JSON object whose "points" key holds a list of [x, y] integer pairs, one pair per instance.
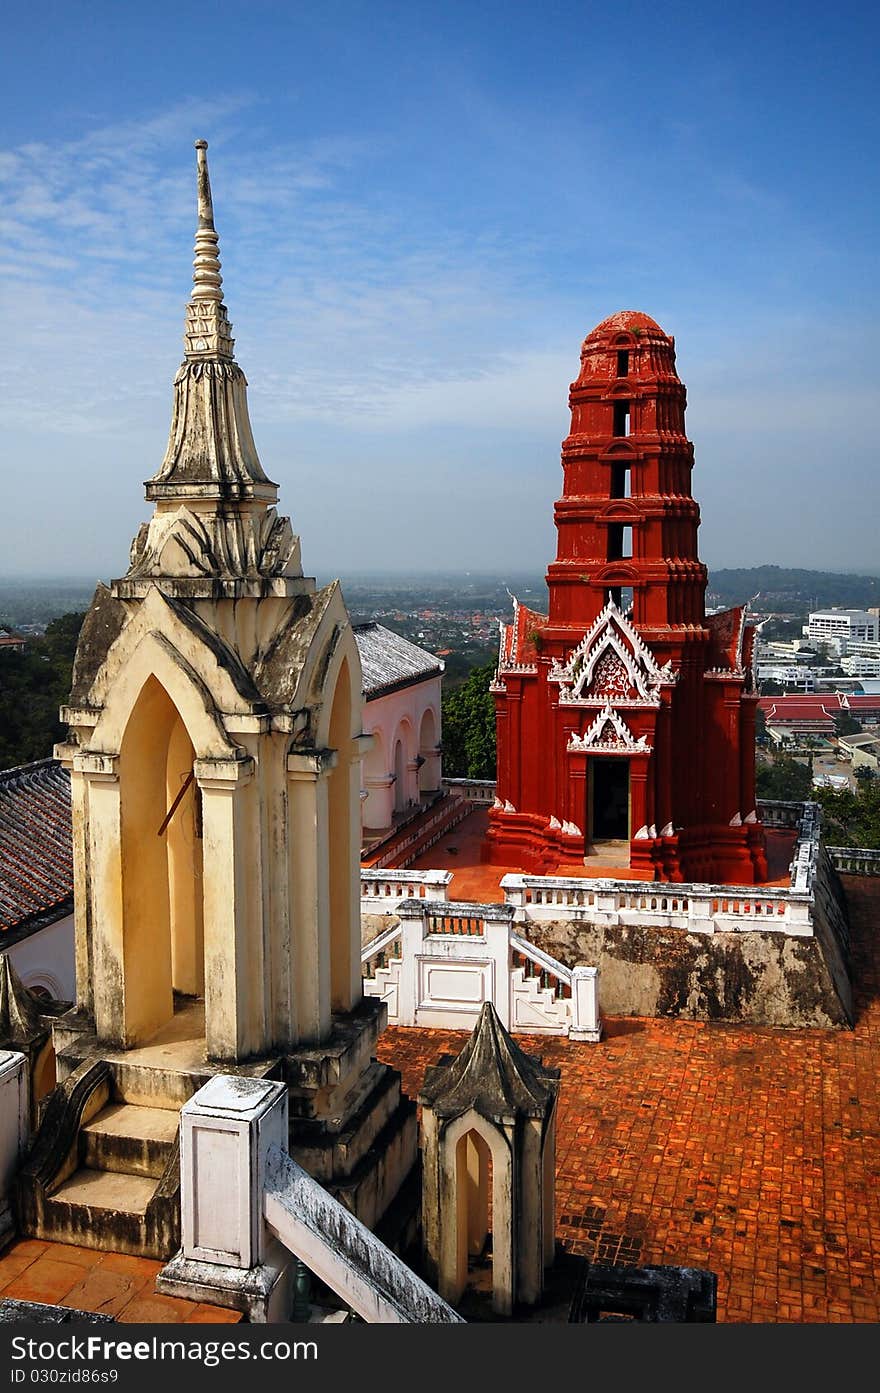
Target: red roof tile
{"points": [[36, 857]]}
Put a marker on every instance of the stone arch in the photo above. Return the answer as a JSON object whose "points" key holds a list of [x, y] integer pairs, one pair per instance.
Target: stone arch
{"points": [[404, 757], [476, 1153], [332, 661], [428, 741], [43, 984], [398, 770], [376, 778], [155, 657], [343, 818], [162, 930]]}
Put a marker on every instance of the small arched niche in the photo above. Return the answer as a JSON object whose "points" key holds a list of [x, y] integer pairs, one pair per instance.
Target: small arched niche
{"points": [[488, 1128]]}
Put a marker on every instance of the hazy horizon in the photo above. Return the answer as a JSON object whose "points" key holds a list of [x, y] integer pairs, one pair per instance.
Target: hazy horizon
{"points": [[414, 250]]}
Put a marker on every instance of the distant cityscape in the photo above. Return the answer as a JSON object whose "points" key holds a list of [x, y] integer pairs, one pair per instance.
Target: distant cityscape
{"points": [[456, 615]]}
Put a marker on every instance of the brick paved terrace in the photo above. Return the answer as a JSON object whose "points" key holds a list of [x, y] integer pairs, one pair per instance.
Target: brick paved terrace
{"points": [[754, 1152], [114, 1284]]}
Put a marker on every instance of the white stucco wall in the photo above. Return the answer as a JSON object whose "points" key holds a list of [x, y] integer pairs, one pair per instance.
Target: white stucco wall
{"points": [[46, 959], [410, 716]]}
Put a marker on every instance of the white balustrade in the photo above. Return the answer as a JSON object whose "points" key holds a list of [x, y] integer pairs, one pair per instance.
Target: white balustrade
{"points": [[445, 962], [479, 791], [854, 860], [693, 908], [382, 889]]}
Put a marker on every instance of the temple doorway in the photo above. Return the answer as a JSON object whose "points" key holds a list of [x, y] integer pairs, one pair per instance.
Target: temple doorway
{"points": [[609, 799]]}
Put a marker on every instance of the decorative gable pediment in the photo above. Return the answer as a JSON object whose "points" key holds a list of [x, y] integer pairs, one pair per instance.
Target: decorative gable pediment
{"points": [[609, 734], [611, 664]]}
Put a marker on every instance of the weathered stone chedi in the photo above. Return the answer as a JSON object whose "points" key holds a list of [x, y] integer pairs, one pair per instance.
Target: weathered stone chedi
{"points": [[625, 716], [216, 706], [214, 749]]}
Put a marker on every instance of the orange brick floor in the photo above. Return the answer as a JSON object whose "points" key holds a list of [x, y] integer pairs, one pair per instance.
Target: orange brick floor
{"points": [[62, 1274], [459, 851], [753, 1152]]}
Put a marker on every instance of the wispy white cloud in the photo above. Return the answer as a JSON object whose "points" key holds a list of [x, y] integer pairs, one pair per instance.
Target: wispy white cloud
{"points": [[345, 302]]}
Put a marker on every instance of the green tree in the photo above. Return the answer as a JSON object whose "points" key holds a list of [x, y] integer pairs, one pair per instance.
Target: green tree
{"points": [[851, 817], [846, 724], [33, 685], [469, 727], [786, 779]]}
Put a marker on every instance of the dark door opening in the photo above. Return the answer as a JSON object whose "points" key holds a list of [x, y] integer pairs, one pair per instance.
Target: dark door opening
{"points": [[609, 788]]}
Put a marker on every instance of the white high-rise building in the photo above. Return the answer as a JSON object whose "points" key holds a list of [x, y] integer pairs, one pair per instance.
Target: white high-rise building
{"points": [[838, 628]]}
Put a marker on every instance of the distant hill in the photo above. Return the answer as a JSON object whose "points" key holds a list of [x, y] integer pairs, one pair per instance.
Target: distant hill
{"points": [[787, 588]]}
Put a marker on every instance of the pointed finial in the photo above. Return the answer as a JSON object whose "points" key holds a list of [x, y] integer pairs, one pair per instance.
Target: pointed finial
{"points": [[208, 332], [206, 206], [207, 279]]}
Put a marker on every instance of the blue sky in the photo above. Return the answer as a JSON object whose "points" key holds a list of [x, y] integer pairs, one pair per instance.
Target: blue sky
{"points": [[423, 209]]}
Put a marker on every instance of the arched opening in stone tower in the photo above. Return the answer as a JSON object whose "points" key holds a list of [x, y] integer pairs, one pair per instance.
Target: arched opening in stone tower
{"points": [[161, 844], [427, 746], [473, 1212], [342, 853]]}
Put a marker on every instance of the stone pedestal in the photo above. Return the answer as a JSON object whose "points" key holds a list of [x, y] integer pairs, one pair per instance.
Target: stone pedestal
{"points": [[13, 1131], [228, 1257]]}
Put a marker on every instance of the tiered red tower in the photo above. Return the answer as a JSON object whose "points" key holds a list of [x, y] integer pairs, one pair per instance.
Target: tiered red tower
{"points": [[626, 717]]}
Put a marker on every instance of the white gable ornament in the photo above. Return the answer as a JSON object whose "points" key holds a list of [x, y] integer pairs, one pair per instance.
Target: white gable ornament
{"points": [[608, 733], [611, 663]]}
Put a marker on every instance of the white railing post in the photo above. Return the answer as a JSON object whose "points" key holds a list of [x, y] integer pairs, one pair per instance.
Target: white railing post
{"points": [[13, 1131], [225, 1130], [228, 1253], [412, 934], [514, 887], [585, 1020], [701, 919], [497, 932]]}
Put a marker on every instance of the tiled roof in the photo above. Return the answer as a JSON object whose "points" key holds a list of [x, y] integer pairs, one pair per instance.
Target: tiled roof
{"points": [[823, 706], [390, 661], [36, 858]]}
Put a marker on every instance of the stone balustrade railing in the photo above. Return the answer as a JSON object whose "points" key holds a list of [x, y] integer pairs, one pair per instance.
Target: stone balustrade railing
{"points": [[382, 889], [693, 908], [438, 964], [854, 860], [779, 814], [480, 791]]}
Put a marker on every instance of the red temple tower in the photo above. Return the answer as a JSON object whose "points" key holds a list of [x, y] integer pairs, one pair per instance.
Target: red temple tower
{"points": [[626, 716]]}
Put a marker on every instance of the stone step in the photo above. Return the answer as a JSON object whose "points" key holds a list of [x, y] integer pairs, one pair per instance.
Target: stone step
{"points": [[330, 1149], [100, 1209], [126, 1138], [114, 1190], [377, 1178]]}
